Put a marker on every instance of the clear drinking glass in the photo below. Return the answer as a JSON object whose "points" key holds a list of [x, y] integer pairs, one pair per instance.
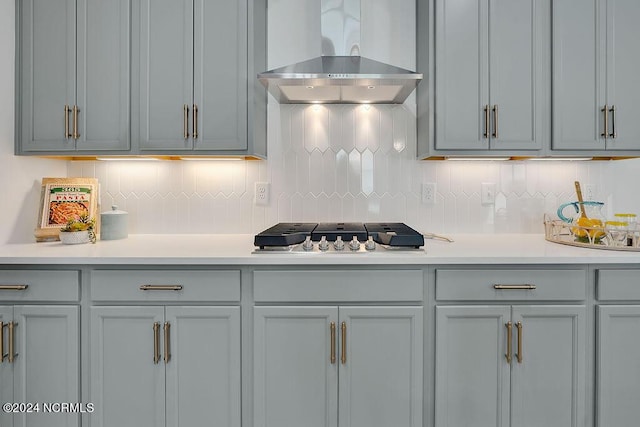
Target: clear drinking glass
{"points": [[617, 232]]}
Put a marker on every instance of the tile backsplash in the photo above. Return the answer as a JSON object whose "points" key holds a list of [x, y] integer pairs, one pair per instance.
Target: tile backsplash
{"points": [[340, 163]]}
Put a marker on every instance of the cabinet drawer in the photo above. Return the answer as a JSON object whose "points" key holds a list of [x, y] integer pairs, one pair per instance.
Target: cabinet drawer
{"points": [[165, 285], [618, 285], [41, 285], [338, 286], [483, 285]]}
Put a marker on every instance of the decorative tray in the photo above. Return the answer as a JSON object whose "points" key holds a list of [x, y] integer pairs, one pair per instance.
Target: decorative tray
{"points": [[558, 231]]}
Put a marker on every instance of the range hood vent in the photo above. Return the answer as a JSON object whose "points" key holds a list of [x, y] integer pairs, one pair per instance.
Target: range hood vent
{"points": [[340, 76]]}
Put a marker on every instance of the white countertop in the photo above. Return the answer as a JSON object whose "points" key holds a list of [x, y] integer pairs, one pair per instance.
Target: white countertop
{"points": [[236, 249]]}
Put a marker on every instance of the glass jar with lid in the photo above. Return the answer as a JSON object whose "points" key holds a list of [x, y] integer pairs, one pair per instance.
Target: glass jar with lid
{"points": [[632, 221]]}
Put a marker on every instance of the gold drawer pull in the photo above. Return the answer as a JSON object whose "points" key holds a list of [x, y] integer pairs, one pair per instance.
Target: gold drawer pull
{"points": [[486, 122], [509, 326], [2, 355], [605, 111], [67, 115], [613, 133], [185, 121], [161, 287], [519, 355], [332, 328], [495, 121], [195, 121], [514, 287], [12, 355], [13, 287], [343, 357], [76, 110], [167, 352], [156, 343]]}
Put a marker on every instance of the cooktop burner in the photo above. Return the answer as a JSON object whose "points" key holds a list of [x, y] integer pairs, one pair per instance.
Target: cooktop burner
{"points": [[338, 237]]}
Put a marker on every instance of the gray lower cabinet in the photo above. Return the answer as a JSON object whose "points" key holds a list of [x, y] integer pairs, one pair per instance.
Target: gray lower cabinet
{"points": [[492, 75], [175, 366], [164, 348], [191, 83], [40, 351], [327, 366], [519, 366], [596, 100], [73, 79], [618, 351], [510, 347], [39, 346]]}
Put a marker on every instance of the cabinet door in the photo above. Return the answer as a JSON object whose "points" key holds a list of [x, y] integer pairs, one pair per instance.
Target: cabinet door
{"points": [[462, 74], [548, 381], [617, 386], [127, 387], [295, 381], [47, 368], [220, 74], [104, 39], [623, 60], [6, 370], [203, 372], [381, 376], [520, 73], [472, 373], [165, 75], [579, 47], [46, 80]]}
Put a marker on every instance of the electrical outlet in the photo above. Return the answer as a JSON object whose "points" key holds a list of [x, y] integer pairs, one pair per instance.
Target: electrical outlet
{"points": [[488, 193], [429, 193], [589, 192], [262, 194]]}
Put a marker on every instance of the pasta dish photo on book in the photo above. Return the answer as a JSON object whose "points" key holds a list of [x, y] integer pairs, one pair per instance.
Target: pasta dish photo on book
{"points": [[62, 199]]}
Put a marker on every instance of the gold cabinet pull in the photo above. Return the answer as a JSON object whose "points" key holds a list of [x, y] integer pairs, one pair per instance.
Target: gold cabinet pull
{"points": [[519, 355], [495, 121], [13, 287], [612, 110], [605, 111], [509, 326], [76, 110], [514, 287], [486, 122], [161, 287], [195, 121], [2, 355], [185, 120], [156, 342], [343, 357], [67, 117], [167, 351], [12, 342], [332, 328]]}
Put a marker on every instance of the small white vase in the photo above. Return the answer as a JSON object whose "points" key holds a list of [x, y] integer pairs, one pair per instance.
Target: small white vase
{"points": [[75, 237]]}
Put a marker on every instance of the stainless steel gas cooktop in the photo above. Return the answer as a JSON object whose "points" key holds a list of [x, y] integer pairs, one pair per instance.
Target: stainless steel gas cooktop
{"points": [[340, 237]]}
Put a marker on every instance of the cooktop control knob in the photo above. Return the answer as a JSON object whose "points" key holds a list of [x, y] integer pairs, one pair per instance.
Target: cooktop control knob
{"points": [[307, 245], [338, 245], [370, 245], [354, 245], [323, 245]]}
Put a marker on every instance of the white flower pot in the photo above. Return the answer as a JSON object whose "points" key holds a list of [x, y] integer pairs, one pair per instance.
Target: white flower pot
{"points": [[75, 237]]}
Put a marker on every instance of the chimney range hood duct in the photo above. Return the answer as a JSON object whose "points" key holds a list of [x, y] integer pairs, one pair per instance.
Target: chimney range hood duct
{"points": [[340, 75]]}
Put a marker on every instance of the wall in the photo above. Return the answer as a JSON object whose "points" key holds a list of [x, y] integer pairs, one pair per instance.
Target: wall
{"points": [[327, 163], [20, 176]]}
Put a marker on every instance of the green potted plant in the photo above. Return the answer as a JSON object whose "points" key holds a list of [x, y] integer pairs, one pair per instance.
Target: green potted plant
{"points": [[78, 230]]}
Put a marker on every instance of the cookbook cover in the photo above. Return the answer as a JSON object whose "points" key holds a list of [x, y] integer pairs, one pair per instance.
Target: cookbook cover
{"points": [[62, 199]]}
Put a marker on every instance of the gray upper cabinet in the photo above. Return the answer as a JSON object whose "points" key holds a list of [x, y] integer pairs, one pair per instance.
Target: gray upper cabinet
{"points": [[596, 99], [150, 77], [72, 90], [192, 81], [492, 75]]}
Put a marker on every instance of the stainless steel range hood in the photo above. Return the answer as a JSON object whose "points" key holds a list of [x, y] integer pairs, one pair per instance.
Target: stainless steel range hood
{"points": [[340, 75]]}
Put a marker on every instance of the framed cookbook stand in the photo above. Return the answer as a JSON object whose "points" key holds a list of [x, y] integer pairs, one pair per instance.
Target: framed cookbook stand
{"points": [[62, 199]]}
